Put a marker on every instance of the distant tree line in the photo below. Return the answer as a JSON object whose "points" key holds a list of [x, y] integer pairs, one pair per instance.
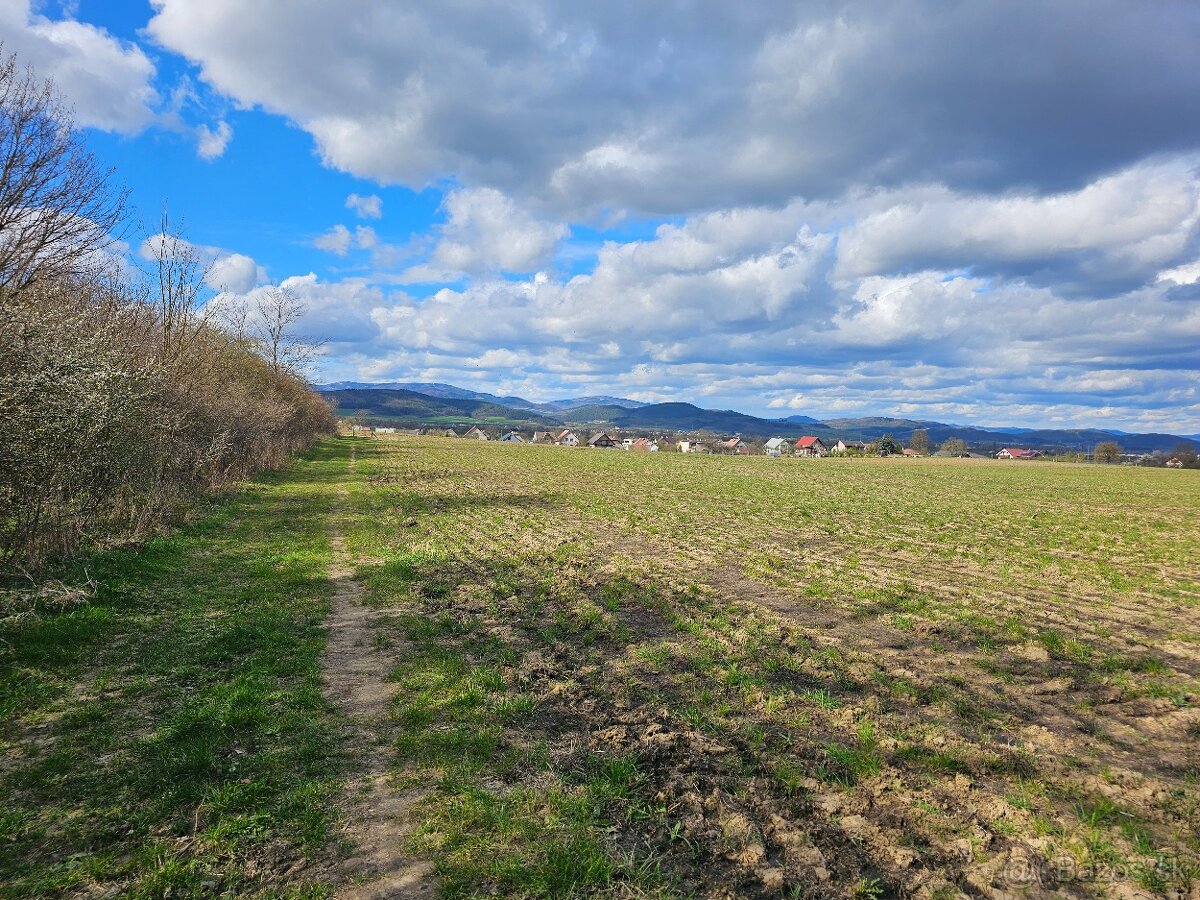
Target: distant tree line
{"points": [[122, 398], [1185, 453]]}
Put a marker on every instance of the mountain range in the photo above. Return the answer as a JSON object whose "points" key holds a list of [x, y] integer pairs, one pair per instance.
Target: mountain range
{"points": [[425, 403]]}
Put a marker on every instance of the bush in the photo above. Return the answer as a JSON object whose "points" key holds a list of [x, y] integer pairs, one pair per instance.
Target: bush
{"points": [[105, 436]]}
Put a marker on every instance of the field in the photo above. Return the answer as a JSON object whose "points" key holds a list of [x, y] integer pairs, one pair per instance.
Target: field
{"points": [[604, 673]]}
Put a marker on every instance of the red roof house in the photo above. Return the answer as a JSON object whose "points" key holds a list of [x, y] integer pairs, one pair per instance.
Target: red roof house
{"points": [[810, 446], [1018, 453]]}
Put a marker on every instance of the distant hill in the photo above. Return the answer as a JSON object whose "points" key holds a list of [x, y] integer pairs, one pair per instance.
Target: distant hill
{"points": [[687, 417], [410, 407], [576, 402], [453, 405], [432, 389], [453, 392], [598, 415]]}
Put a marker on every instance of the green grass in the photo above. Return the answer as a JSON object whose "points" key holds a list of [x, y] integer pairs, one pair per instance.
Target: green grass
{"points": [[170, 734]]}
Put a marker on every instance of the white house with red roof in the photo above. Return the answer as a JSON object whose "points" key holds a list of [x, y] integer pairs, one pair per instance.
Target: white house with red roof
{"points": [[811, 446], [566, 439], [1017, 453]]}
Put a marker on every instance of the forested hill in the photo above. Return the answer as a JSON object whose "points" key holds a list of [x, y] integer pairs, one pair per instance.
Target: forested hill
{"points": [[412, 408]]}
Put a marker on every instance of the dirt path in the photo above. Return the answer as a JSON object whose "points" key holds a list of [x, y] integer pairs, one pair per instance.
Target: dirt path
{"points": [[355, 680]]}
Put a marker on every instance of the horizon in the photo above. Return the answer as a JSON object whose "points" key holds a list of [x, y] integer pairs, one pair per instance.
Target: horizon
{"points": [[986, 215], [818, 418]]}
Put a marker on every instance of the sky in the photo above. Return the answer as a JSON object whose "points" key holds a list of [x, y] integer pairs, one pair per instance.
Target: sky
{"points": [[982, 213]]}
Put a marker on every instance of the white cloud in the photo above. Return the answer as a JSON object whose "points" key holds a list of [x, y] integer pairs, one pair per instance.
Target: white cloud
{"points": [[486, 231], [369, 207], [235, 273], [107, 81], [365, 237], [1140, 217], [922, 308], [1189, 273], [336, 240], [211, 143]]}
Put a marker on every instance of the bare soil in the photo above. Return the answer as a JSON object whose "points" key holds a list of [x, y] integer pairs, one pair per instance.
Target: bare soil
{"points": [[375, 812]]}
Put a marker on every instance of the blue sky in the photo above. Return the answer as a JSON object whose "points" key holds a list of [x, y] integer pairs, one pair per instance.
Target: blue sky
{"points": [[983, 213]]}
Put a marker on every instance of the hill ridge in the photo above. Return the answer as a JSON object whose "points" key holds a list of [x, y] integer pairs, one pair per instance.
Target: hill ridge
{"points": [[403, 405]]}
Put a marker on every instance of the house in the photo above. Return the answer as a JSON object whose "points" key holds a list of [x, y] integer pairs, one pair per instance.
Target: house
{"points": [[810, 446], [542, 437], [626, 443], [644, 445], [776, 446], [476, 434], [909, 451], [693, 447], [1017, 453], [733, 445], [600, 439], [1174, 463], [449, 432], [566, 439], [381, 430], [848, 447], [513, 437]]}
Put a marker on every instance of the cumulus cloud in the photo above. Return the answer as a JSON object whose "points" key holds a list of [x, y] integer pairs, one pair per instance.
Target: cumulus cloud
{"points": [[336, 240], [1134, 220], [234, 273], [106, 80], [669, 110], [486, 231], [369, 207], [211, 142]]}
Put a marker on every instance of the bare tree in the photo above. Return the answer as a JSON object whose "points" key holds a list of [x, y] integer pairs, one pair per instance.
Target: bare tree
{"points": [[278, 312], [920, 441], [58, 210], [955, 447], [1108, 452], [180, 275]]}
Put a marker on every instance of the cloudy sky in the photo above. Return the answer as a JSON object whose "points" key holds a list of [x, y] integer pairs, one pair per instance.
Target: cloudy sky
{"points": [[977, 212]]}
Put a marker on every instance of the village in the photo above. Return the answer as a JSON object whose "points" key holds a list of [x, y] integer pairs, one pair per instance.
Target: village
{"points": [[806, 446]]}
